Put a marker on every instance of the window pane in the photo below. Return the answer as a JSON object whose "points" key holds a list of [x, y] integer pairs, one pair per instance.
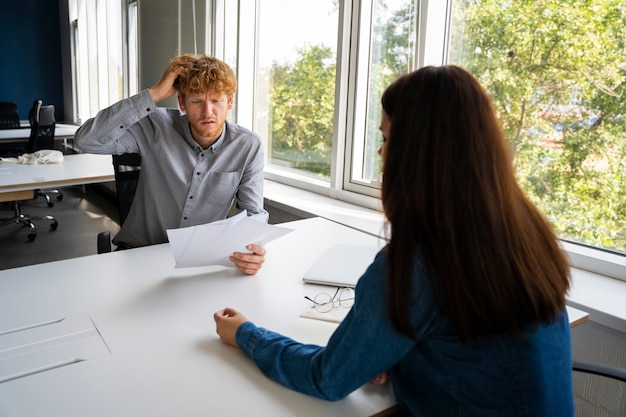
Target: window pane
{"points": [[295, 83], [98, 48], [556, 71], [133, 54], [228, 38], [387, 50]]}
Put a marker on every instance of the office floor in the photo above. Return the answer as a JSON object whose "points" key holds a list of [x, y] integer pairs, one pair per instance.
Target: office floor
{"points": [[81, 216]]}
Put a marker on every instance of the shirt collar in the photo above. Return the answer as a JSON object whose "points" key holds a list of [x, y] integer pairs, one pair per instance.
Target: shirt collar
{"points": [[218, 143]]}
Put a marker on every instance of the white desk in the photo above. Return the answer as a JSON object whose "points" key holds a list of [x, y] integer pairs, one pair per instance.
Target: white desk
{"points": [[62, 131], [76, 169], [159, 354], [162, 356]]}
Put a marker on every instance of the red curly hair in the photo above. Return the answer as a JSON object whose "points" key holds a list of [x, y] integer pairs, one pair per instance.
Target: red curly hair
{"points": [[203, 73]]}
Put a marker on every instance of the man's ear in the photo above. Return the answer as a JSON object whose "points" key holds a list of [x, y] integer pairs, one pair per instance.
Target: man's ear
{"points": [[231, 100], [181, 102]]}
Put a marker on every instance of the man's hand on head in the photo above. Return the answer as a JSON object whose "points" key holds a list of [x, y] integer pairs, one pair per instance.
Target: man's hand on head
{"points": [[165, 87]]}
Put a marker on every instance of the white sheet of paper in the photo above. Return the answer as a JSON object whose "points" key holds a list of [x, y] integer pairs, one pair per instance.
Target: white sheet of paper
{"points": [[214, 243], [315, 327]]}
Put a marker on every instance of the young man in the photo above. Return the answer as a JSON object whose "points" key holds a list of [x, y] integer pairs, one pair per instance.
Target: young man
{"points": [[194, 162]]}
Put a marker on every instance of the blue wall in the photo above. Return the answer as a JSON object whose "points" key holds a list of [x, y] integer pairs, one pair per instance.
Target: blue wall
{"points": [[30, 44]]}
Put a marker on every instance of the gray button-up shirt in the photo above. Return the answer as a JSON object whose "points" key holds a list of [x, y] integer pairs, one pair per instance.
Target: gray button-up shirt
{"points": [[180, 184]]}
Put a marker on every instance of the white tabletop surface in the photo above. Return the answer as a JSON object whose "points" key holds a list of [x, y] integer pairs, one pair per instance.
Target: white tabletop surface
{"points": [[61, 131], [161, 356], [76, 169]]}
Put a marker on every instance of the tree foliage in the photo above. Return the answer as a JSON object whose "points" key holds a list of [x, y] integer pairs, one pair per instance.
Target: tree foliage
{"points": [[556, 71], [302, 109]]}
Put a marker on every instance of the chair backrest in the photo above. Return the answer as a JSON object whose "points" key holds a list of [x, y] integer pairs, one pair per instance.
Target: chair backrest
{"points": [[127, 168], [33, 113], [42, 126], [9, 115]]}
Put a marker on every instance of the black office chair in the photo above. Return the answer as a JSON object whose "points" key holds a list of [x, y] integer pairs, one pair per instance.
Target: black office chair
{"points": [[42, 127], [599, 389], [127, 168], [10, 119], [9, 115], [26, 220]]}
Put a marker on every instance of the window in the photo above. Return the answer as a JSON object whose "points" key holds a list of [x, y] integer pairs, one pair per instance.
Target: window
{"points": [[300, 89], [102, 73], [132, 48], [386, 35], [295, 83], [225, 40], [555, 69]]}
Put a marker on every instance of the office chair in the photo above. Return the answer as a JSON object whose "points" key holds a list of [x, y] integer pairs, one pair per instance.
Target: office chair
{"points": [[10, 119], [25, 219], [9, 115], [127, 168], [599, 389], [42, 126]]}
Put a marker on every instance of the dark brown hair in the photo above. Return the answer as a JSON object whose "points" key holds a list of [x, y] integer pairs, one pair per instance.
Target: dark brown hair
{"points": [[203, 73], [449, 188]]}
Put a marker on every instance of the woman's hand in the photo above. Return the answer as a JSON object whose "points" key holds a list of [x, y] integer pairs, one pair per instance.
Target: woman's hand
{"points": [[227, 321], [381, 379]]}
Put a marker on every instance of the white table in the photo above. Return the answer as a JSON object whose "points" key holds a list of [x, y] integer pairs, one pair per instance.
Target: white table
{"points": [[146, 337], [159, 354], [17, 180], [62, 131]]}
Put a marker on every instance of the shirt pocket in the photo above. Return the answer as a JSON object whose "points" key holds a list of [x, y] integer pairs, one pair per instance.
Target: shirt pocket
{"points": [[223, 186]]}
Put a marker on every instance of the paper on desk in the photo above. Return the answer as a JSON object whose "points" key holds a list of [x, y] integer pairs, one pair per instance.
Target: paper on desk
{"points": [[214, 243], [315, 327]]}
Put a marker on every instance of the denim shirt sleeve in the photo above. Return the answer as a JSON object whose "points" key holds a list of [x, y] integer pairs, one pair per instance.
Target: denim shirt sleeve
{"points": [[363, 346]]}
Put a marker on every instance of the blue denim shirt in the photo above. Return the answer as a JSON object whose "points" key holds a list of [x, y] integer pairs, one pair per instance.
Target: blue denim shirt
{"points": [[436, 375]]}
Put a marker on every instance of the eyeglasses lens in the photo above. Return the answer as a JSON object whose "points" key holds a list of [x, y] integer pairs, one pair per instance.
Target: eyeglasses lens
{"points": [[323, 303], [346, 297]]}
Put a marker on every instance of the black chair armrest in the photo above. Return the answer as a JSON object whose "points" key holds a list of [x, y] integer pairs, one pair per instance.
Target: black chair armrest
{"points": [[608, 371]]}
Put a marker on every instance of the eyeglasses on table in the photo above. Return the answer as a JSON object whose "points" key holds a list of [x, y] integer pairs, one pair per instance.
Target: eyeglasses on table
{"points": [[323, 302]]}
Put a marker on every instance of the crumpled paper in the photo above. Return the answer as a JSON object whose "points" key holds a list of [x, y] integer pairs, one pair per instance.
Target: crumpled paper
{"points": [[41, 157]]}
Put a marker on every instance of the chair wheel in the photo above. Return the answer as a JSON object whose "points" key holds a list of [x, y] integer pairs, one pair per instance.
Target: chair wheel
{"points": [[54, 225], [50, 204], [60, 197], [31, 236]]}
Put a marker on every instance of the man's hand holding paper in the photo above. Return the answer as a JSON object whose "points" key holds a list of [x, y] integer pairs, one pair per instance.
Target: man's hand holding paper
{"points": [[249, 263], [215, 243]]}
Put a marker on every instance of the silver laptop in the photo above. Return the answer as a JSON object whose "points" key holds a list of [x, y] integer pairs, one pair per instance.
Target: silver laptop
{"points": [[341, 265]]}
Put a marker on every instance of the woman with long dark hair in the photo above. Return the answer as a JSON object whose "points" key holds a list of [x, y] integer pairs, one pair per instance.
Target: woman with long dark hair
{"points": [[464, 309]]}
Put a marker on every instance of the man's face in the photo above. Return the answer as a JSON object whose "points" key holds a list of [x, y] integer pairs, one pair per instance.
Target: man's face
{"points": [[206, 113]]}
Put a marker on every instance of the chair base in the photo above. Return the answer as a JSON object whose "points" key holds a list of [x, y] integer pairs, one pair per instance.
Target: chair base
{"points": [[26, 220], [46, 194]]}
